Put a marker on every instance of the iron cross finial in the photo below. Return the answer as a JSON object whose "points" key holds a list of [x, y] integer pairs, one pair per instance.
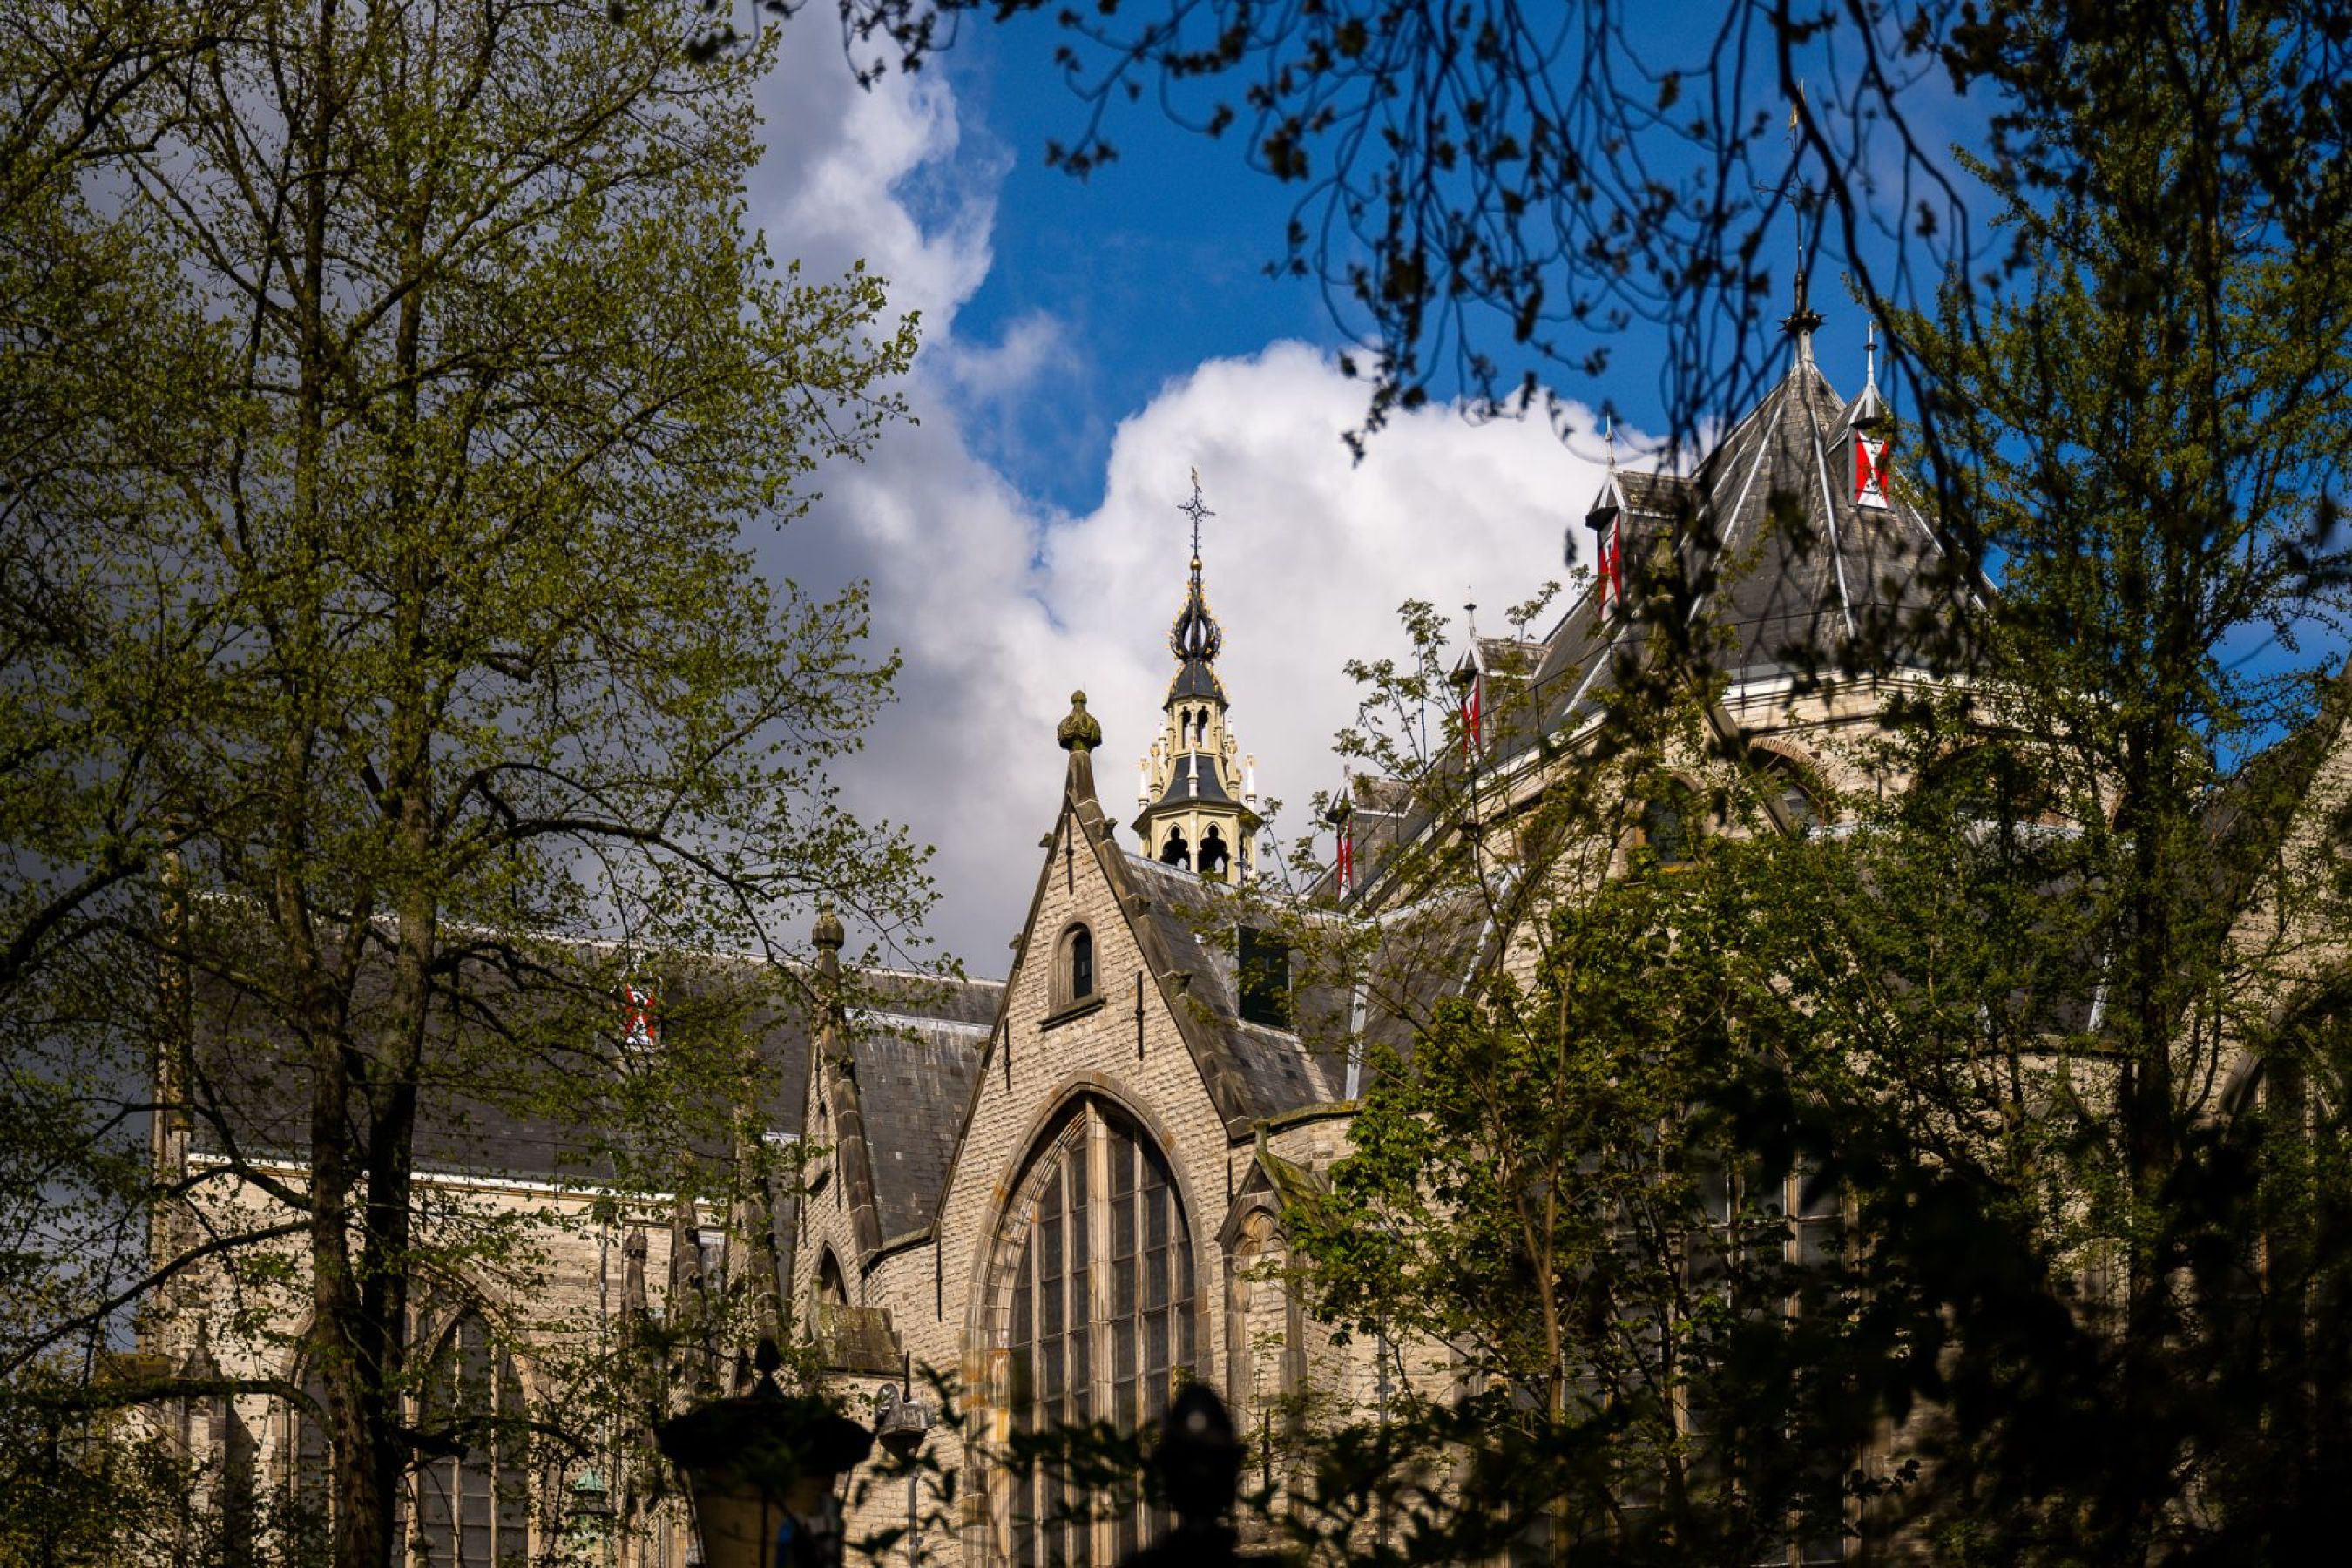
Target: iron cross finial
{"points": [[1197, 509]]}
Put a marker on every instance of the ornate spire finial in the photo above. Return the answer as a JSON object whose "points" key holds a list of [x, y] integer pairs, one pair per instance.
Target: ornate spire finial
{"points": [[1195, 638], [1609, 434], [1802, 321], [1870, 409], [828, 932], [1079, 731]]}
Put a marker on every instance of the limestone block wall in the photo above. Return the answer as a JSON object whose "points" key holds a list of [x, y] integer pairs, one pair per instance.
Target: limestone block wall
{"points": [[560, 1297], [949, 1297]]}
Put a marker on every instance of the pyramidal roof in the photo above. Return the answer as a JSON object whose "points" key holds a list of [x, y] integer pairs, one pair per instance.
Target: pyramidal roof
{"points": [[1790, 565]]}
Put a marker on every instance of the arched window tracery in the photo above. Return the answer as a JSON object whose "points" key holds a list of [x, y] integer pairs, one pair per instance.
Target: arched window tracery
{"points": [[473, 1510], [1100, 1319]]}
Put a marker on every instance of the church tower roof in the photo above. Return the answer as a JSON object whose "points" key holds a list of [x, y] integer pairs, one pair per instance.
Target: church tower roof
{"points": [[1197, 795]]}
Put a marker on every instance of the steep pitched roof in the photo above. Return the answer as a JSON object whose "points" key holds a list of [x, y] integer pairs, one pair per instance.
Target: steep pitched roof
{"points": [[1763, 562], [915, 1074], [1781, 557]]}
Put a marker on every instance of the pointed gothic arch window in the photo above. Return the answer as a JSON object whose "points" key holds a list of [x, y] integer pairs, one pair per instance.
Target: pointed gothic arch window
{"points": [[1176, 851], [473, 1508], [1100, 1322], [832, 1285]]}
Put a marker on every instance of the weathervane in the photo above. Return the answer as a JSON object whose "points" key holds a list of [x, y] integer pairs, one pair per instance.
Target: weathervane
{"points": [[1197, 509]]}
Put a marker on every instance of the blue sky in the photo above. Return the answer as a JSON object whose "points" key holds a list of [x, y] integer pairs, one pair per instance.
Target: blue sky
{"points": [[1087, 346]]}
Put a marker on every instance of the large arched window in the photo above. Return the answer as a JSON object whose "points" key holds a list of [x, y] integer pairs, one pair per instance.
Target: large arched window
{"points": [[1099, 1320], [473, 1510]]}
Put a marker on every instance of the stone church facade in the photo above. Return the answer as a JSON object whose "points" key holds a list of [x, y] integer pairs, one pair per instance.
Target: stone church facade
{"points": [[1065, 1188]]}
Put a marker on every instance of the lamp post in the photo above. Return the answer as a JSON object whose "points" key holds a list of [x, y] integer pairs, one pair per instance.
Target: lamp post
{"points": [[900, 1426], [1199, 1461], [760, 1468]]}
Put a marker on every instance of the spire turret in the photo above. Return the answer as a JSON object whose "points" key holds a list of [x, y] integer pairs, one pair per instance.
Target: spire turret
{"points": [[1804, 321], [1197, 795]]}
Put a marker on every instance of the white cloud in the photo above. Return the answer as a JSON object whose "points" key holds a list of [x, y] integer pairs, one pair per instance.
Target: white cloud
{"points": [[1002, 604]]}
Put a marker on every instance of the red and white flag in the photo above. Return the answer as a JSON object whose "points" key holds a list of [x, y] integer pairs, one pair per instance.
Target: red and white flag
{"points": [[641, 1014]]}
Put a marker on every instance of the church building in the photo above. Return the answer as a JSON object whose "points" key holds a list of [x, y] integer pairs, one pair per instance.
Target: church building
{"points": [[1065, 1188]]}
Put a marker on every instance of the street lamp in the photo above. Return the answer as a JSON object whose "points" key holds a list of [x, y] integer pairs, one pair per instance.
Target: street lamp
{"points": [[761, 1468]]}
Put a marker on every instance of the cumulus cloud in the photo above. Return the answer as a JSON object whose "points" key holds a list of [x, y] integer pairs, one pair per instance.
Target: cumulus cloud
{"points": [[1002, 604]]}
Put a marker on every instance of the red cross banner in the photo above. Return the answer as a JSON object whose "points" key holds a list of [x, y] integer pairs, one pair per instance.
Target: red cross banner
{"points": [[1869, 470]]}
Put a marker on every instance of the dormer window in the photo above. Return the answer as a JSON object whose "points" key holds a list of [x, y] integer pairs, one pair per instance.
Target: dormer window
{"points": [[1263, 971]]}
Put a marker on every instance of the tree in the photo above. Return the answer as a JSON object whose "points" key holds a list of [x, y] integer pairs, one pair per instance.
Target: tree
{"points": [[2055, 1014], [1491, 194], [398, 639], [2147, 430]]}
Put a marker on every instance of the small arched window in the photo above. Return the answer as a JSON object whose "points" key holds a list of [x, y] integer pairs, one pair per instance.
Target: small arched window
{"points": [[1176, 851], [832, 1286], [1790, 784], [1073, 968]]}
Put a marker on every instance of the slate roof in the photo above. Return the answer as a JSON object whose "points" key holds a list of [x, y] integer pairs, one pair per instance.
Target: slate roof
{"points": [[921, 1052], [1781, 558], [914, 1075], [1275, 1071], [1761, 562], [1180, 787]]}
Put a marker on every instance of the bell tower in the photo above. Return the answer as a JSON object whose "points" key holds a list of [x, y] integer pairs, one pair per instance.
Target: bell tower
{"points": [[1196, 794]]}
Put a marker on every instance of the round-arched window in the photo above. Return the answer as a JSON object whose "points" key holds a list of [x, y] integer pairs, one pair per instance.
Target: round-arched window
{"points": [[1100, 1322]]}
